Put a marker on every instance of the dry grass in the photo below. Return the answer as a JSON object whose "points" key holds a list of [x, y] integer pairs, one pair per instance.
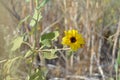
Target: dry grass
{"points": [[97, 20]]}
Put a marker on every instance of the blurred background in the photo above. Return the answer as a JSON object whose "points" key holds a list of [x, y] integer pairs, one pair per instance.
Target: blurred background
{"points": [[97, 20]]}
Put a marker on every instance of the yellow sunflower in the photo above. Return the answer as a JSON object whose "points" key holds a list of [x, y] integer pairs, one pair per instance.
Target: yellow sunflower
{"points": [[73, 39]]}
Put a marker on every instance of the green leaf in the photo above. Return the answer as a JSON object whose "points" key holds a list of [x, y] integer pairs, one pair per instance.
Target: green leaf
{"points": [[28, 53], [42, 4], [56, 35], [36, 18], [8, 66], [46, 43], [17, 43], [50, 55], [39, 74], [35, 76], [50, 36], [47, 36]]}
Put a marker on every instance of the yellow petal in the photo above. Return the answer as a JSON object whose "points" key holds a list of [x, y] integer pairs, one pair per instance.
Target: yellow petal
{"points": [[66, 40]]}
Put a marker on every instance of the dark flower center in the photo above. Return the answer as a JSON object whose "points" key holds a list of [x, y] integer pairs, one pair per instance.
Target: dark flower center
{"points": [[73, 39]]}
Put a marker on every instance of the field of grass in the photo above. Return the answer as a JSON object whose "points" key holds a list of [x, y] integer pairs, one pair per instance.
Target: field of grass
{"points": [[32, 31]]}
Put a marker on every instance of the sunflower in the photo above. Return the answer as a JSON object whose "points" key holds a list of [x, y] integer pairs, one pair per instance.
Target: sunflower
{"points": [[73, 39]]}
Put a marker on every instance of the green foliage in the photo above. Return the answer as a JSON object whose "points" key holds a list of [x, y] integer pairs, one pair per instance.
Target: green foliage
{"points": [[39, 74], [46, 41], [36, 18], [48, 37], [10, 66], [28, 53], [42, 4], [37, 14], [49, 54], [17, 43]]}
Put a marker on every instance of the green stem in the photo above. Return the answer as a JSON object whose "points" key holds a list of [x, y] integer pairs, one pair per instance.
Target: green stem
{"points": [[47, 50]]}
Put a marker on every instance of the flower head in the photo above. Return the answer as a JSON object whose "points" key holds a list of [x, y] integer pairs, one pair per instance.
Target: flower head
{"points": [[73, 39]]}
